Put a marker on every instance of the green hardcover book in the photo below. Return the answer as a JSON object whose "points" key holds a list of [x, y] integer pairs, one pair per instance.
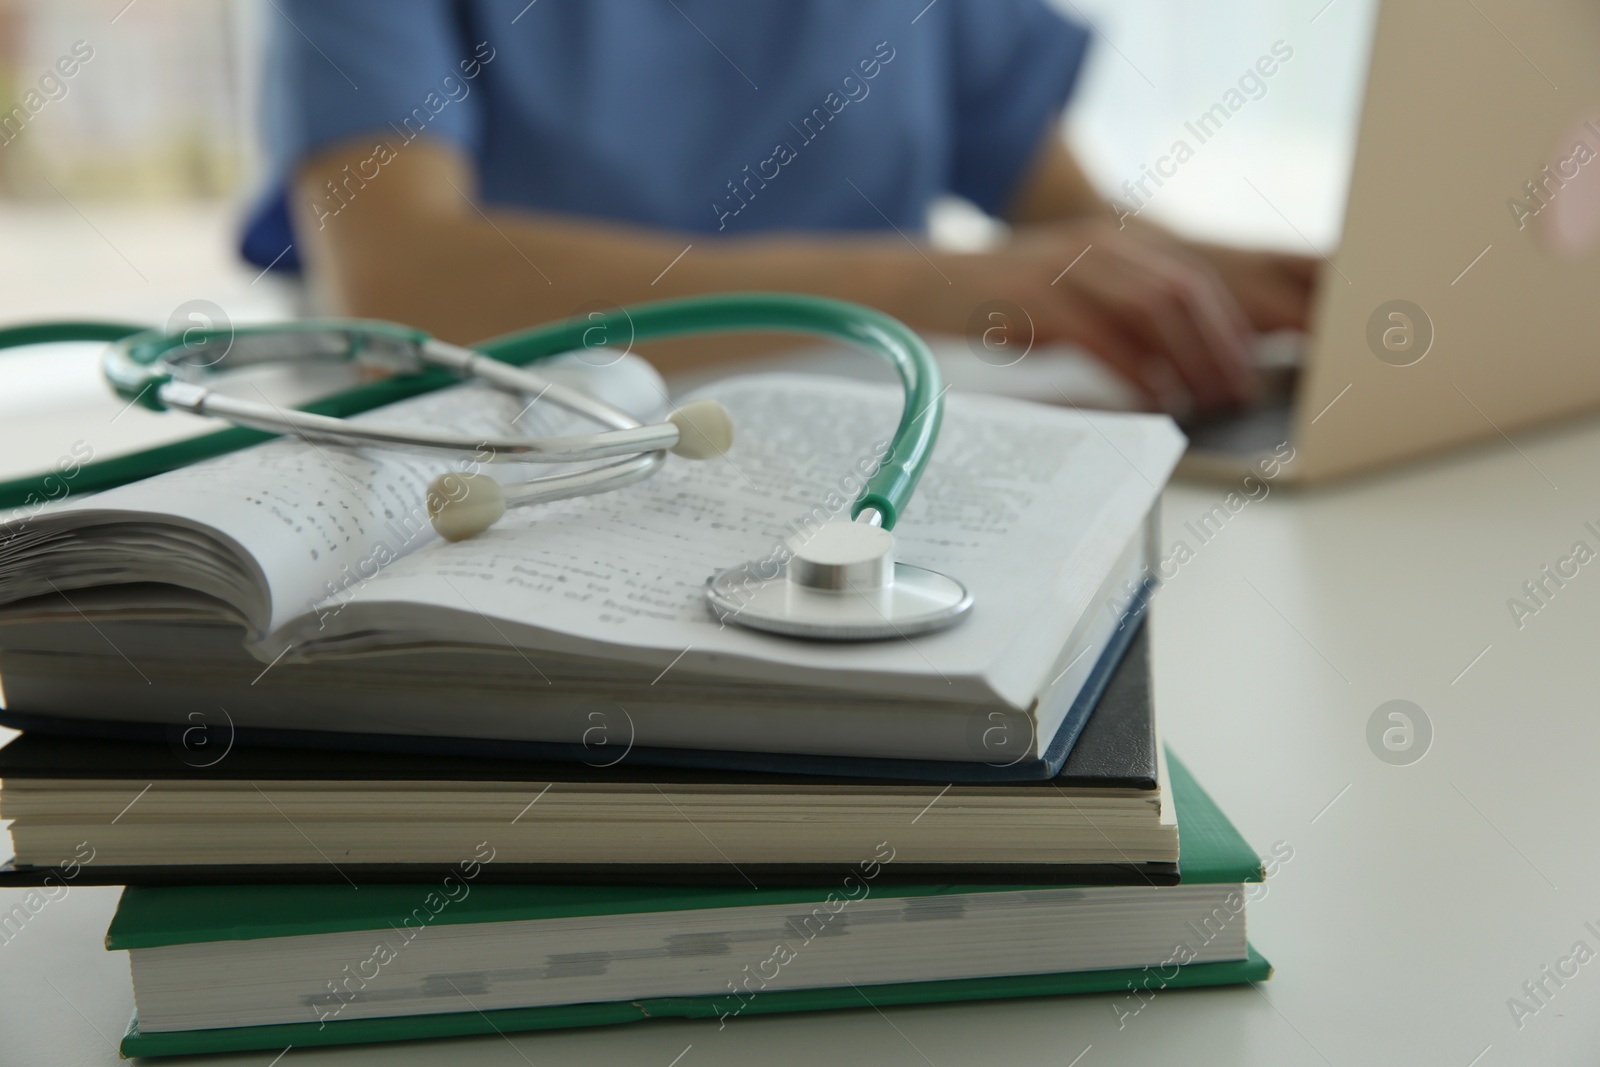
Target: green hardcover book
{"points": [[329, 964]]}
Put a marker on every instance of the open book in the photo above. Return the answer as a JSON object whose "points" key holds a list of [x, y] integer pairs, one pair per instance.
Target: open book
{"points": [[298, 587]]}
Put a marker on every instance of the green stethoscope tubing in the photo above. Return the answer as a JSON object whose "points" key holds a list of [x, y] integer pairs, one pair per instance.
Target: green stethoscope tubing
{"points": [[888, 490]]}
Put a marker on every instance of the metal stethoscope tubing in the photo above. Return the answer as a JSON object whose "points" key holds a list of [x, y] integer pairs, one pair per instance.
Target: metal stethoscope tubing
{"points": [[626, 436], [697, 430]]}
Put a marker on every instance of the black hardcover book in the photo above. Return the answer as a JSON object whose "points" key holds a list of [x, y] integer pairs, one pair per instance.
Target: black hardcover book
{"points": [[64, 795]]}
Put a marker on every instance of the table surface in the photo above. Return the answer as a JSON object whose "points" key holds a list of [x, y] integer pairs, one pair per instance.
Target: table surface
{"points": [[1418, 900]]}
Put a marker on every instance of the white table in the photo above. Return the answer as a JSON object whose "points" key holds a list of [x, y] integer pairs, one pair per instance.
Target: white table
{"points": [[1418, 900]]}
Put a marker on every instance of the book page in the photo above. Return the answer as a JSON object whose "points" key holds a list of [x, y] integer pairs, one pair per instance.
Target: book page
{"points": [[1027, 505], [304, 516]]}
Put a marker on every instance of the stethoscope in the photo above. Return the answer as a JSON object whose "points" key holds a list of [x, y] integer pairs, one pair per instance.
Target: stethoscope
{"points": [[838, 581]]}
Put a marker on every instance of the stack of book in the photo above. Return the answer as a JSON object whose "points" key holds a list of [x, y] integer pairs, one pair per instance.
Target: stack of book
{"points": [[366, 785]]}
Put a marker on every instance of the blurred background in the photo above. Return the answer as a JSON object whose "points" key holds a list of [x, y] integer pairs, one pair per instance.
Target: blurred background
{"points": [[122, 195]]}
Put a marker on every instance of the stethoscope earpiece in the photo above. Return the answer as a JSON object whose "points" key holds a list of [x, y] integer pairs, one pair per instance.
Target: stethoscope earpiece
{"points": [[705, 430], [464, 505]]}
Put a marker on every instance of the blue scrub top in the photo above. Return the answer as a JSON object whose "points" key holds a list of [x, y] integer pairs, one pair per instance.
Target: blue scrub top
{"points": [[704, 116]]}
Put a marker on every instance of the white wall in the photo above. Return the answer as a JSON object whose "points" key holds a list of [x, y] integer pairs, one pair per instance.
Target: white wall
{"points": [[1158, 63]]}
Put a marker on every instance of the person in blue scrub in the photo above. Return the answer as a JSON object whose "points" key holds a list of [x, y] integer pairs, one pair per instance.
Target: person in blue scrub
{"points": [[480, 166]]}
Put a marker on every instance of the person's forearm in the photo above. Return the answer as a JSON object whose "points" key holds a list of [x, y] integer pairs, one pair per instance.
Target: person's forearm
{"points": [[465, 279], [465, 275], [1055, 187]]}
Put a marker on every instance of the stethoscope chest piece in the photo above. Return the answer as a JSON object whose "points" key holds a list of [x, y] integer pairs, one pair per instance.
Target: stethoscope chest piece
{"points": [[840, 583]]}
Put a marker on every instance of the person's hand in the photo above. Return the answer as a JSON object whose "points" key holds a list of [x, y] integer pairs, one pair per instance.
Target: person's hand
{"points": [[1158, 313], [1273, 288]]}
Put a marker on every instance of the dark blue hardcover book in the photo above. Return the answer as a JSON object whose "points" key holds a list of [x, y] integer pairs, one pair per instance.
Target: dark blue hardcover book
{"points": [[1115, 751], [221, 733]]}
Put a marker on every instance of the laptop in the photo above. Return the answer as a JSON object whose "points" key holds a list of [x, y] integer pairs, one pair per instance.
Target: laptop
{"points": [[1463, 302]]}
